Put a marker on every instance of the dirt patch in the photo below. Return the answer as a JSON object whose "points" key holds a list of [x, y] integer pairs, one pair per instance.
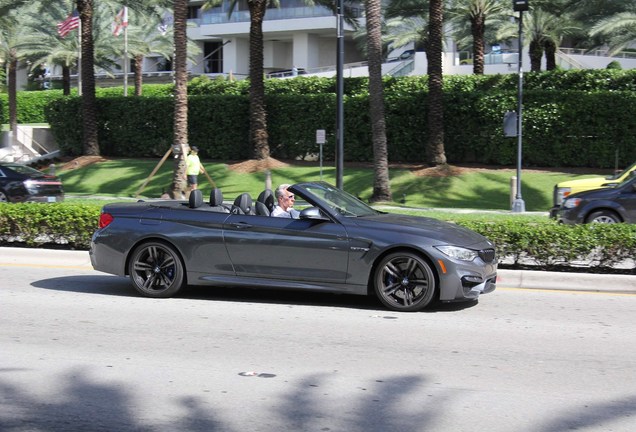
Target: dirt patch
{"points": [[256, 165], [82, 161]]}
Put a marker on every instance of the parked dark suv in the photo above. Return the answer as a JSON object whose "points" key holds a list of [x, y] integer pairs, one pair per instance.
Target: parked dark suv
{"points": [[19, 183], [608, 205]]}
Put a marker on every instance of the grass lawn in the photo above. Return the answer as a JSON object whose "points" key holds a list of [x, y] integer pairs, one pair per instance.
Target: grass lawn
{"points": [[485, 189]]}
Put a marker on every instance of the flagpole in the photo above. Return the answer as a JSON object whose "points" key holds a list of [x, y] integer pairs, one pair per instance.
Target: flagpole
{"points": [[125, 60], [79, 58]]}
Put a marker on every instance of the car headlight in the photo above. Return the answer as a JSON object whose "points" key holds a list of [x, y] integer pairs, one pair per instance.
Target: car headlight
{"points": [[31, 186], [562, 193], [457, 252], [572, 202]]}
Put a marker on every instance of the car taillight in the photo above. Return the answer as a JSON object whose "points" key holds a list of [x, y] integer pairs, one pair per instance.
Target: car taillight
{"points": [[105, 219]]}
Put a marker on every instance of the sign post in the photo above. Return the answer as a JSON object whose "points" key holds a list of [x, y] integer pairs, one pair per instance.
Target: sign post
{"points": [[320, 140]]}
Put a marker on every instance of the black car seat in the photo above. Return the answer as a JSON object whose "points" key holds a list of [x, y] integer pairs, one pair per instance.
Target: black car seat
{"points": [[243, 205], [216, 201], [196, 199], [265, 203]]}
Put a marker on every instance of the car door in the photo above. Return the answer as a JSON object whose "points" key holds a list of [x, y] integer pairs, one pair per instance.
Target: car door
{"points": [[283, 248], [627, 200]]}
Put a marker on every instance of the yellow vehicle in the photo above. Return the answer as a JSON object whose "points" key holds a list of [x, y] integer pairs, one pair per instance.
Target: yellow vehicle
{"points": [[563, 189]]}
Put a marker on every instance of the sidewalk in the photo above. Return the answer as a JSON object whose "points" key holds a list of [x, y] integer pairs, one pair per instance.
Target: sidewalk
{"points": [[528, 279]]}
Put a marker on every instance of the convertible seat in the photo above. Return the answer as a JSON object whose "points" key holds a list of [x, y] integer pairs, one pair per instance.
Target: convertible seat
{"points": [[265, 203], [196, 199], [216, 201], [243, 205]]}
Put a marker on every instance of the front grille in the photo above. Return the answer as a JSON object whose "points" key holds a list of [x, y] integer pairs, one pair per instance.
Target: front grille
{"points": [[487, 255]]}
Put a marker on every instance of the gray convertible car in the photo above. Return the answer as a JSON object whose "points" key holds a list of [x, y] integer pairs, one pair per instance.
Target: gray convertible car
{"points": [[336, 244]]}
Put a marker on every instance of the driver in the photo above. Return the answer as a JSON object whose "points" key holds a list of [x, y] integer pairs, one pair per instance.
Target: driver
{"points": [[285, 203]]}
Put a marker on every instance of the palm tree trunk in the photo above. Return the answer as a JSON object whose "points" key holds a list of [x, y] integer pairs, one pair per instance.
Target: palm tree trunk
{"points": [[13, 95], [381, 183], [435, 148], [180, 95], [258, 117], [89, 107], [66, 80], [550, 55], [477, 28], [536, 53], [138, 61]]}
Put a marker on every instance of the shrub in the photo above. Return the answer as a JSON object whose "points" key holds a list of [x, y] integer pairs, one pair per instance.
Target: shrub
{"points": [[538, 245]]}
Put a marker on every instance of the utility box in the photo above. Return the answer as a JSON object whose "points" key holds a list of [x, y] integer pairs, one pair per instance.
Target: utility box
{"points": [[510, 124]]}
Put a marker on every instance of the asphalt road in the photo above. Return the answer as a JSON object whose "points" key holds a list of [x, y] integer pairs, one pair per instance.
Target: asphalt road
{"points": [[81, 352]]}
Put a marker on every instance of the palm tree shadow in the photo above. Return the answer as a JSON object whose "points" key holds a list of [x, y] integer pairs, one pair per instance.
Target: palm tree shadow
{"points": [[85, 405]]}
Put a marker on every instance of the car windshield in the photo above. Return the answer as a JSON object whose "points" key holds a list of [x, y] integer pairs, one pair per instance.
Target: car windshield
{"points": [[23, 169], [339, 200], [632, 168]]}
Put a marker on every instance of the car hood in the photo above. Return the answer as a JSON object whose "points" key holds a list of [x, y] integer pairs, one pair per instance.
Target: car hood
{"points": [[587, 183], [432, 228], [605, 193]]}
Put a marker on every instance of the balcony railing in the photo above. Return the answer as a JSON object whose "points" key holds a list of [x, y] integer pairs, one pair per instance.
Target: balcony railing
{"points": [[217, 16]]}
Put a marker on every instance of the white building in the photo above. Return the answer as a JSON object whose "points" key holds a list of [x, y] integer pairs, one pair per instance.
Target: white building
{"points": [[294, 36]]}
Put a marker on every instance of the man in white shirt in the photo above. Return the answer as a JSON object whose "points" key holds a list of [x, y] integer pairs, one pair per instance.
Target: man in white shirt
{"points": [[285, 203]]}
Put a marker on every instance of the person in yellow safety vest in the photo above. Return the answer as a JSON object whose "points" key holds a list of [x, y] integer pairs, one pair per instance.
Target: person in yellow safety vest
{"points": [[193, 168]]}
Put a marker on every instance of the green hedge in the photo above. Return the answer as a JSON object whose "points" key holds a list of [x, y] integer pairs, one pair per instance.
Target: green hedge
{"points": [[565, 128], [571, 118], [544, 246]]}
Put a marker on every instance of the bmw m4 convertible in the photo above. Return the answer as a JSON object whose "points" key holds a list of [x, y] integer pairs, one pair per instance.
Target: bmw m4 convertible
{"points": [[337, 244]]}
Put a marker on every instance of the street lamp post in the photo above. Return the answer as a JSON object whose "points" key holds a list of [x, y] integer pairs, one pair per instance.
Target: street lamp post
{"points": [[339, 93], [518, 205]]}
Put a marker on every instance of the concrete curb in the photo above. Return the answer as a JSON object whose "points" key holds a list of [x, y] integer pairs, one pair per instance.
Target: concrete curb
{"points": [[529, 279], [566, 281]]}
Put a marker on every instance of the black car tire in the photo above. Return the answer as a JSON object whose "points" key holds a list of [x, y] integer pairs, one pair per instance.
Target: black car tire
{"points": [[156, 270], [3, 197], [404, 282], [603, 216]]}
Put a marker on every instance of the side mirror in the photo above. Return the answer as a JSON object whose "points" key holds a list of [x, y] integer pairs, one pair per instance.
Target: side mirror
{"points": [[313, 213]]}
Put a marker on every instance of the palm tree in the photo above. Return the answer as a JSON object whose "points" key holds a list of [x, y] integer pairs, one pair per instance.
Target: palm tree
{"points": [[620, 30], [10, 34], [545, 31], [142, 43], [89, 106], [180, 95], [435, 154], [381, 184], [477, 12], [407, 22], [258, 115]]}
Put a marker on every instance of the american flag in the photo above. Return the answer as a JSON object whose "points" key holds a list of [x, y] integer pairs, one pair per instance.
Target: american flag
{"points": [[121, 21], [70, 23]]}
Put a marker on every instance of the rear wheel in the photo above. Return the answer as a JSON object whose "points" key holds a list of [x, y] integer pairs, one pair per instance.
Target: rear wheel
{"points": [[156, 271], [404, 282], [603, 216], [3, 197]]}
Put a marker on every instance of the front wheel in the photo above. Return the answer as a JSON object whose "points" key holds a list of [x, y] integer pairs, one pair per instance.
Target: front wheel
{"points": [[404, 282], [3, 197], [156, 271], [603, 216]]}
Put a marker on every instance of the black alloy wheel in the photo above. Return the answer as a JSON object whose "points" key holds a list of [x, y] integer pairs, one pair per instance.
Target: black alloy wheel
{"points": [[404, 282], [156, 270]]}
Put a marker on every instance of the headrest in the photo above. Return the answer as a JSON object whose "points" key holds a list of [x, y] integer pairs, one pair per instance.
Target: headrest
{"points": [[267, 197], [196, 198], [244, 202], [216, 197]]}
